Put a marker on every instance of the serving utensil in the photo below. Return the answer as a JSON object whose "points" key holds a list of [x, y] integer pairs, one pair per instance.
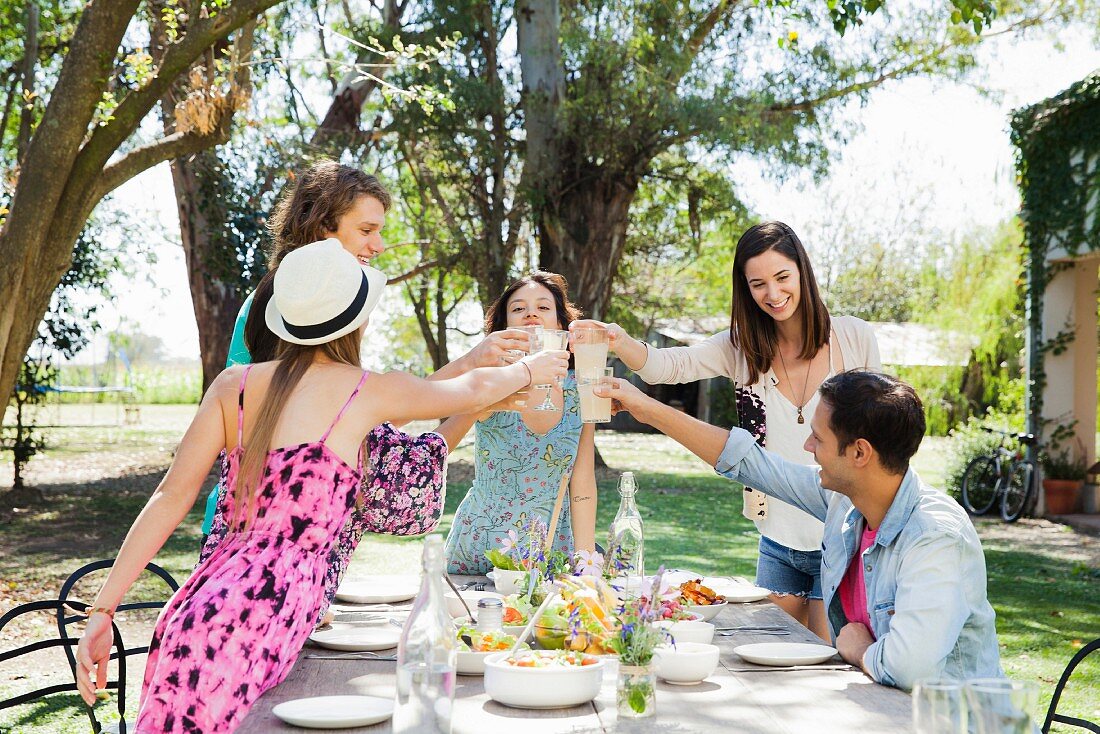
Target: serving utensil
{"points": [[550, 596], [351, 656]]}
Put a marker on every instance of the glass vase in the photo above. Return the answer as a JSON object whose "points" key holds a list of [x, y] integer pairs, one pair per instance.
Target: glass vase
{"points": [[636, 691]]}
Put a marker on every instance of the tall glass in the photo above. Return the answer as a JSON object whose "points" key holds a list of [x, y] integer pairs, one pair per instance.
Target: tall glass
{"points": [[589, 348], [1002, 706], [594, 409], [551, 340], [939, 707]]}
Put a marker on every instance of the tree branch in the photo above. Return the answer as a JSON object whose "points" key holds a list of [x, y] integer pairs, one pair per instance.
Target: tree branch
{"points": [[440, 262], [176, 145], [177, 59]]}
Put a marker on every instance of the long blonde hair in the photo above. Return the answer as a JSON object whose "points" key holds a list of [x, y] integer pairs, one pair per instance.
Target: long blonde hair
{"points": [[294, 360]]}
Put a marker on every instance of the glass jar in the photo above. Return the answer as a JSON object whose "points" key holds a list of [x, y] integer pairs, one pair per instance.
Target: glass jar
{"points": [[636, 696]]}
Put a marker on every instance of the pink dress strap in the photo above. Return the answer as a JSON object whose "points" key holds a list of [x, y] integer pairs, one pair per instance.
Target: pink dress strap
{"points": [[240, 406], [362, 379]]}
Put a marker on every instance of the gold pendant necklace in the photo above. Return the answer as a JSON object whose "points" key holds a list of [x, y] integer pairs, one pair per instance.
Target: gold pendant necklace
{"points": [[802, 397]]}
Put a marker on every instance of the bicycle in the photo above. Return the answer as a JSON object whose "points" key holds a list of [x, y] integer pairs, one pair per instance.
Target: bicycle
{"points": [[1006, 475]]}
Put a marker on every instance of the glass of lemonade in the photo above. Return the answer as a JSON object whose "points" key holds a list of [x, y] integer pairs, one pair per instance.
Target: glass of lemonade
{"points": [[589, 348], [551, 340], [594, 409]]}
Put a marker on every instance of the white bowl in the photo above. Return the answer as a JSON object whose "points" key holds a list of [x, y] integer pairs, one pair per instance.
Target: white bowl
{"points": [[454, 605], [472, 663], [685, 664], [689, 631], [706, 611], [541, 688], [507, 582]]}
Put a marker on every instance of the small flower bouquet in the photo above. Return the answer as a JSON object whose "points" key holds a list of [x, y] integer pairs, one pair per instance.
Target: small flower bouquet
{"points": [[525, 552], [635, 642]]}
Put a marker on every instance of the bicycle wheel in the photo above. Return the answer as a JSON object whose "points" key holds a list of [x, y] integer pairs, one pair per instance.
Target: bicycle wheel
{"points": [[979, 485], [1017, 495]]}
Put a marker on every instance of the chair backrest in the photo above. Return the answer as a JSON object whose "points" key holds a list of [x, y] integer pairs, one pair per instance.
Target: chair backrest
{"points": [[1052, 714], [68, 643], [63, 620]]}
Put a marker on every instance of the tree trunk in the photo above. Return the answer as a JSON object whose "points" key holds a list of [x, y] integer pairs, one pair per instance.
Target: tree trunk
{"points": [[583, 234], [30, 63], [215, 301], [538, 31], [68, 168]]}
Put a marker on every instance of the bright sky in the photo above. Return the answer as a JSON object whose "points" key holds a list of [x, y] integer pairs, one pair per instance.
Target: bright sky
{"points": [[944, 137]]}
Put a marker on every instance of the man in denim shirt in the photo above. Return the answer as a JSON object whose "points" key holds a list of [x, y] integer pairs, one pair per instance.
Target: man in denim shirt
{"points": [[897, 555]]}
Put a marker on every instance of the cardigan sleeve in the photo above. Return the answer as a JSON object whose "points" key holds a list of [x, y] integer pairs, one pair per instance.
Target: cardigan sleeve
{"points": [[713, 357]]}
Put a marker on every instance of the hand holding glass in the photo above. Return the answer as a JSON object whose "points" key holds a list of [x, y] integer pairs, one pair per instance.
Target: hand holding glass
{"points": [[594, 409], [550, 340]]}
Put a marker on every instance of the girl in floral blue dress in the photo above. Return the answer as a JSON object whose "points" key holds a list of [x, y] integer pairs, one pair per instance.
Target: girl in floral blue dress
{"points": [[521, 454]]}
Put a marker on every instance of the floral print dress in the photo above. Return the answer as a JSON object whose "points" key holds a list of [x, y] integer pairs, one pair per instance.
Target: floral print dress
{"points": [[402, 494], [516, 477], [236, 626]]}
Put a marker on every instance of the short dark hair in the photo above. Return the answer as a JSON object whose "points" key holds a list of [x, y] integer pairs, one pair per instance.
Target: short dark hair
{"points": [[879, 408]]}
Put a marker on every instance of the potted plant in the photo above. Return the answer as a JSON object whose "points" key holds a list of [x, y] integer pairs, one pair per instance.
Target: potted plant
{"points": [[1063, 477]]}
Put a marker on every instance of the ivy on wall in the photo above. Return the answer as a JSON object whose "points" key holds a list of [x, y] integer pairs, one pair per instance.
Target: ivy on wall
{"points": [[1058, 165]]}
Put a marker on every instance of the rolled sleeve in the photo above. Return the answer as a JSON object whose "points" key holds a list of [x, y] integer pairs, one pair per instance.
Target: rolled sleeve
{"points": [[743, 459]]}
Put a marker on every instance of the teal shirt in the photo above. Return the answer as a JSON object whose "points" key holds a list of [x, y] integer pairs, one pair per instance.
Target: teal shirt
{"points": [[238, 354]]}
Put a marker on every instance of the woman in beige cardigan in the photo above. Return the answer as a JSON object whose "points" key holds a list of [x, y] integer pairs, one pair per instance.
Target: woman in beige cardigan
{"points": [[781, 345]]}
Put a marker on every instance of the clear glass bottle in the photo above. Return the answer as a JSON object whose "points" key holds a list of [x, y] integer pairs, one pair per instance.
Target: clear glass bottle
{"points": [[426, 654], [625, 541]]}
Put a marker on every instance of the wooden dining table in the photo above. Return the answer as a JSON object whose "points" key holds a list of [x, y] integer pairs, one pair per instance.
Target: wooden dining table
{"points": [[737, 697]]}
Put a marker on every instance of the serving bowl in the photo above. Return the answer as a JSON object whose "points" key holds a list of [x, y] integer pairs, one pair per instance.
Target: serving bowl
{"points": [[550, 638], [507, 582], [454, 604], [469, 662], [541, 688], [689, 631], [686, 663], [706, 611]]}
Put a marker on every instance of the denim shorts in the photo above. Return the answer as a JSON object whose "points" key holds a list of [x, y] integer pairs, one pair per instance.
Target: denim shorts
{"points": [[787, 571]]}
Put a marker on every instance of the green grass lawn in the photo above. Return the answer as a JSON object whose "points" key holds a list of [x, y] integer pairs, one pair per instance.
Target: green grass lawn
{"points": [[1046, 605]]}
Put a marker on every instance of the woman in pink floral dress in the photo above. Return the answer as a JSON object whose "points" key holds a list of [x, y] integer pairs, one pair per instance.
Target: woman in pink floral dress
{"points": [[293, 431]]}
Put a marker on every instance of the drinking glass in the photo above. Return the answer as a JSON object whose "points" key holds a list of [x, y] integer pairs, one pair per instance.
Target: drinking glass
{"points": [[939, 707], [1002, 706], [589, 348], [594, 409], [551, 340]]}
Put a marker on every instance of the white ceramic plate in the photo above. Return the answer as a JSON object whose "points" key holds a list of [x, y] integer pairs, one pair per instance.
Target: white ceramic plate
{"points": [[378, 589], [785, 653], [741, 593], [357, 638], [334, 712]]}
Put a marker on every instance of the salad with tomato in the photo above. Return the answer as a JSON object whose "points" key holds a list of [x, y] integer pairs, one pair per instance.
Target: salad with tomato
{"points": [[552, 659], [487, 642]]}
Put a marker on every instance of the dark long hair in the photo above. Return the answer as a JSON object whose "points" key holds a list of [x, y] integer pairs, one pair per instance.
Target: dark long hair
{"points": [[752, 331], [261, 341], [496, 317]]}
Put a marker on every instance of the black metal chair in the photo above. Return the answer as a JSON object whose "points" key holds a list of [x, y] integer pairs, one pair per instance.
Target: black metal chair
{"points": [[68, 643], [1052, 714], [69, 611]]}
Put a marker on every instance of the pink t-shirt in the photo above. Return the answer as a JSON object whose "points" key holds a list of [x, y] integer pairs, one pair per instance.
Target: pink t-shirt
{"points": [[853, 588]]}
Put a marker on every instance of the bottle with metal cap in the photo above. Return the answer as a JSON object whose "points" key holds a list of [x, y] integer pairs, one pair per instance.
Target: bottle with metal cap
{"points": [[625, 541], [490, 615]]}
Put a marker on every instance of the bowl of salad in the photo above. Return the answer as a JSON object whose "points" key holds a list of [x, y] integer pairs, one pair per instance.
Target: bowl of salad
{"points": [[543, 679], [475, 646]]}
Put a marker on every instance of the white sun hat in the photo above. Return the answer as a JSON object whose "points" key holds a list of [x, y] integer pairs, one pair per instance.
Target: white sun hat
{"points": [[322, 292]]}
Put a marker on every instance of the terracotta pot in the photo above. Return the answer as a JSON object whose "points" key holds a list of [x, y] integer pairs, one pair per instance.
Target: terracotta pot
{"points": [[1061, 495]]}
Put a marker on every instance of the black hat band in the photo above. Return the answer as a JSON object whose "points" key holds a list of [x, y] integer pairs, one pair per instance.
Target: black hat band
{"points": [[336, 323]]}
